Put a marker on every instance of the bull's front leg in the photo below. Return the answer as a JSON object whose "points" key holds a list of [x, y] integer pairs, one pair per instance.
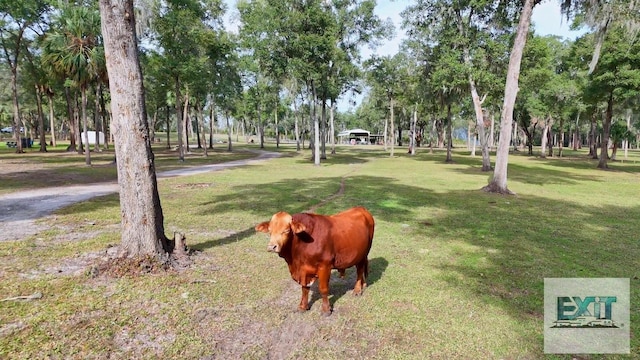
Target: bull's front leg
{"points": [[304, 301], [323, 285]]}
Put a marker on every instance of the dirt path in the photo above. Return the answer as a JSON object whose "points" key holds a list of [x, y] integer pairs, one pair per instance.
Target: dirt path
{"points": [[20, 210]]}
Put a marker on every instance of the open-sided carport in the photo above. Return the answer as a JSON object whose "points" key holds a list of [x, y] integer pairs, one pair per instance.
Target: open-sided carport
{"points": [[354, 136]]}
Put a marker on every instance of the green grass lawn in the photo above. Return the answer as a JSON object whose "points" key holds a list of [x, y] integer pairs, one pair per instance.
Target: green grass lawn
{"points": [[455, 273]]}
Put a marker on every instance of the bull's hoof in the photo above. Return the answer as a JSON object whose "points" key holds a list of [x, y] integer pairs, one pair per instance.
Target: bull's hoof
{"points": [[326, 313], [302, 309], [358, 290]]}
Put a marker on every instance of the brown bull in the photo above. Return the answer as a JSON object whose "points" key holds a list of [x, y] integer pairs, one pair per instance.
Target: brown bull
{"points": [[313, 244]]}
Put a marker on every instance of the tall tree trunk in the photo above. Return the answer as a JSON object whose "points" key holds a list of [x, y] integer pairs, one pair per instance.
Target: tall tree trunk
{"points": [[296, 124], [197, 115], [499, 182], [105, 119], [544, 139], [606, 132], [179, 122], [484, 142], [87, 148], [386, 132], [440, 130], [492, 142], [323, 130], [152, 125], [316, 127], [626, 140], [52, 123], [593, 144], [529, 140], [76, 122], [72, 129], [432, 135], [186, 121], [277, 129], [480, 121], [576, 133], [228, 132], [212, 120], [13, 66], [17, 121], [533, 136], [332, 131], [260, 126], [477, 102], [469, 147], [561, 142], [201, 131], [449, 134], [473, 139], [305, 127], [96, 117], [41, 133], [551, 138], [238, 125], [514, 137], [142, 218], [168, 123], [391, 123], [414, 123]]}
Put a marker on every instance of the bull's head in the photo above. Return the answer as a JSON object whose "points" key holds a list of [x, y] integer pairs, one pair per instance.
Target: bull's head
{"points": [[281, 229]]}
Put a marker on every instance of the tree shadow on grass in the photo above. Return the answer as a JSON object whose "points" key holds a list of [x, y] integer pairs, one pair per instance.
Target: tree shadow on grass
{"points": [[533, 174], [540, 176], [232, 238], [587, 163], [492, 248], [290, 195], [503, 247], [346, 156]]}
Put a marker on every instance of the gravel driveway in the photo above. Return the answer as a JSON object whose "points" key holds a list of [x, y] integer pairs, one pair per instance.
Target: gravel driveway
{"points": [[20, 210]]}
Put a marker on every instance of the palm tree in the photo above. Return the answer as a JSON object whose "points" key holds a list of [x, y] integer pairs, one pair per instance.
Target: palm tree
{"points": [[38, 80], [74, 49], [16, 19]]}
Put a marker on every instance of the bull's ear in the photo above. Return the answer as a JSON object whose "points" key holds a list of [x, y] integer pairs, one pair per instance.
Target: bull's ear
{"points": [[263, 227], [297, 227]]}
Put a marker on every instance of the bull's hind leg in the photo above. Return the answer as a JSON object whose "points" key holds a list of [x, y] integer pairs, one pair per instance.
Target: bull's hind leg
{"points": [[304, 301], [361, 283]]}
